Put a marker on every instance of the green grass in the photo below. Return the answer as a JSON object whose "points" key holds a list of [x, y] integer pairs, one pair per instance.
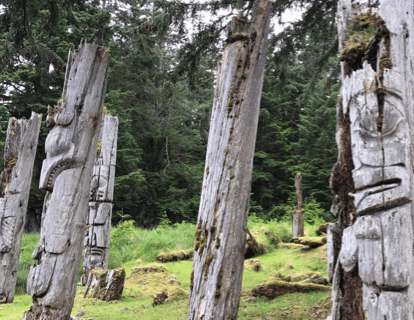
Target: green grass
{"points": [[132, 247]]}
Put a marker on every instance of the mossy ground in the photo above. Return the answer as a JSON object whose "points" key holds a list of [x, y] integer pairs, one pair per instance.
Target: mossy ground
{"points": [[136, 302]]}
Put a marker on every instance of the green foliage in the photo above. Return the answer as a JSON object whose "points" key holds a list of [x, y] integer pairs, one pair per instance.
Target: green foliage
{"points": [[129, 243], [28, 243]]}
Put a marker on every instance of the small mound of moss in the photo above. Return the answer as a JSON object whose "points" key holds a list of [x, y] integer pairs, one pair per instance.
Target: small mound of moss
{"points": [[290, 245], [152, 280], [323, 308], [306, 277], [310, 241], [275, 288], [175, 255], [254, 246], [253, 264]]}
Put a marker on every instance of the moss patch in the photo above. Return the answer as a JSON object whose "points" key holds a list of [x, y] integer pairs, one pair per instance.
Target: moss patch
{"points": [[175, 255], [275, 288], [154, 279], [310, 241], [253, 264]]}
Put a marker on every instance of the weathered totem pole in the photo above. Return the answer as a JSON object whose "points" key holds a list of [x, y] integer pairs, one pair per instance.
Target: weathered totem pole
{"points": [[371, 246], [220, 235], [66, 175], [297, 214], [100, 202], [19, 155]]}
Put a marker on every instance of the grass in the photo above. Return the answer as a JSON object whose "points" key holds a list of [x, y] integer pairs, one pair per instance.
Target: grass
{"points": [[134, 247]]}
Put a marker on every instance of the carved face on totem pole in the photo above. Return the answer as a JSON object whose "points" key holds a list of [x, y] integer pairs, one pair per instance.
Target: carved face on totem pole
{"points": [[99, 183], [380, 151], [379, 136], [97, 239]]}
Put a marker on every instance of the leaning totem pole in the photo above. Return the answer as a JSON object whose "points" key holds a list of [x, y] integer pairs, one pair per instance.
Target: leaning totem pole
{"points": [[220, 235], [66, 175], [100, 202], [19, 156], [371, 246]]}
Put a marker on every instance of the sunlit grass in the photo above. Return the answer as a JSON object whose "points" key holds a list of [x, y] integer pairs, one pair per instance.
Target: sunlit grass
{"points": [[133, 247]]}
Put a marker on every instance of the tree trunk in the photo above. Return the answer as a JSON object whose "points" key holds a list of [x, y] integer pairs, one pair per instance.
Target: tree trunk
{"points": [[66, 175], [297, 214], [370, 247], [100, 201], [19, 155], [221, 228]]}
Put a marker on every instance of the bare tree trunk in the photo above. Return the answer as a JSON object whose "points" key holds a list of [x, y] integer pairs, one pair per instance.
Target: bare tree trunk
{"points": [[100, 201], [297, 214], [19, 155], [221, 228], [370, 247], [66, 175]]}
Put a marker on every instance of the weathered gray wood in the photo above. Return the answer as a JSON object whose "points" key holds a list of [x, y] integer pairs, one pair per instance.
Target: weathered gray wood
{"points": [[66, 175], [221, 228], [98, 225], [19, 155], [377, 99], [297, 214]]}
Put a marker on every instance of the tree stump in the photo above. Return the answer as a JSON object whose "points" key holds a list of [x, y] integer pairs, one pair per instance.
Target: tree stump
{"points": [[66, 175], [220, 236], [19, 155], [100, 202], [105, 285], [370, 247]]}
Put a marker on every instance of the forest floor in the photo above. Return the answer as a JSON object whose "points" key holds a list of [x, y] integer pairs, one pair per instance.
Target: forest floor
{"points": [[137, 298]]}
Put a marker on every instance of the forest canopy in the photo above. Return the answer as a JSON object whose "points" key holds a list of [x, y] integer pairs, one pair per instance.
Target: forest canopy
{"points": [[161, 83]]}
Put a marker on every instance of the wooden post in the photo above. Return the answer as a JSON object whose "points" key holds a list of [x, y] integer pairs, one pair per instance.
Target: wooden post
{"points": [[370, 247], [66, 175], [19, 155], [100, 202], [297, 214], [220, 235]]}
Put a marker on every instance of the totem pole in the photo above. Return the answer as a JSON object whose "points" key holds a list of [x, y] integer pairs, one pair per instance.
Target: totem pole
{"points": [[220, 235], [66, 175], [19, 156], [297, 214], [372, 242], [100, 201]]}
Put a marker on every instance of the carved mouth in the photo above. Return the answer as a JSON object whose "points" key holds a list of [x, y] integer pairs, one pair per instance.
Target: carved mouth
{"points": [[54, 171], [380, 186]]}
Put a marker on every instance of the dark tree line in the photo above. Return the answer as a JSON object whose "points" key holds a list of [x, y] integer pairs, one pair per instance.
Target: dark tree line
{"points": [[161, 85]]}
